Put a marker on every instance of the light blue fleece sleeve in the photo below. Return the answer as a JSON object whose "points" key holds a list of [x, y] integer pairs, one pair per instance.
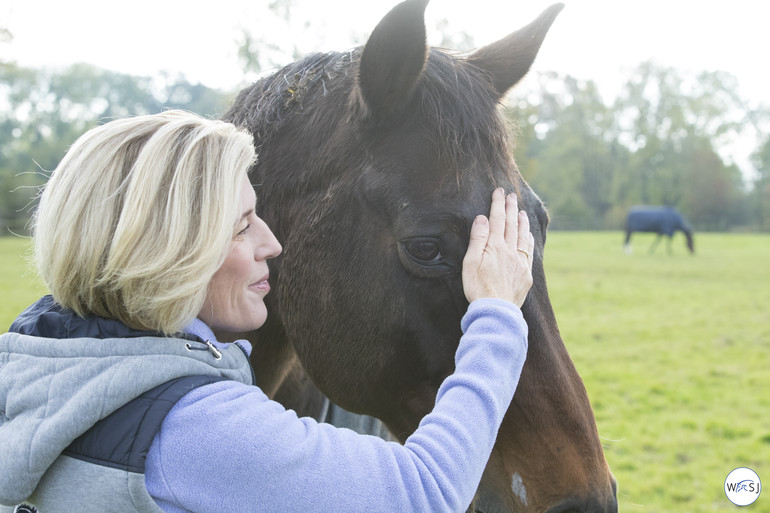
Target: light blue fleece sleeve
{"points": [[227, 447]]}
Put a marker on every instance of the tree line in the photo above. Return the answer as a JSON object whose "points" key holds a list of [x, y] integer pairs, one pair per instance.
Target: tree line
{"points": [[43, 111], [660, 141], [657, 142]]}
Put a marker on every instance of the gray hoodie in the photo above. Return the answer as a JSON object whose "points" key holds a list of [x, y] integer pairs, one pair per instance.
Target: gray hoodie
{"points": [[54, 390]]}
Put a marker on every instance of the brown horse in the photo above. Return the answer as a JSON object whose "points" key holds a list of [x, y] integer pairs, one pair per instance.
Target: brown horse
{"points": [[372, 166]]}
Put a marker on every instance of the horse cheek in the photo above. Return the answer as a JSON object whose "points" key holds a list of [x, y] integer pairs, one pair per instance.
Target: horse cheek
{"points": [[348, 354]]}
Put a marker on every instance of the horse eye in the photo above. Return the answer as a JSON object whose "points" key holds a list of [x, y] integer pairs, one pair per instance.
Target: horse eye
{"points": [[423, 250]]}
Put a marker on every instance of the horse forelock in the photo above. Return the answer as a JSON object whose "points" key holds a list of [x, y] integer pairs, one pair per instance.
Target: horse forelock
{"points": [[459, 109]]}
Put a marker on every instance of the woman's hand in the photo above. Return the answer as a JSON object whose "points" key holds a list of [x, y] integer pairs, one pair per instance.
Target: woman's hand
{"points": [[498, 263]]}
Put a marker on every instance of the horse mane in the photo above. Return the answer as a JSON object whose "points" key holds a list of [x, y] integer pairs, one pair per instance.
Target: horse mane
{"points": [[272, 101], [457, 101]]}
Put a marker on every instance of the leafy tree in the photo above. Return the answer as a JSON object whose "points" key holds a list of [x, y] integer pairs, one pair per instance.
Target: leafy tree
{"points": [[674, 123], [257, 52], [760, 195], [656, 143], [43, 111], [713, 193], [566, 150]]}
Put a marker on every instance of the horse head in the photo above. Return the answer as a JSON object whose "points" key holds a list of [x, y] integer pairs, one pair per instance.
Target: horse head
{"points": [[373, 164]]}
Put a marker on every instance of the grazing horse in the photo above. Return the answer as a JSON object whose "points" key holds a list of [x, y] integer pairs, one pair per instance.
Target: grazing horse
{"points": [[372, 165], [660, 220]]}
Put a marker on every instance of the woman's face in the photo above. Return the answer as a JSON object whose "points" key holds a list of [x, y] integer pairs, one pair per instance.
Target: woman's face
{"points": [[236, 293]]}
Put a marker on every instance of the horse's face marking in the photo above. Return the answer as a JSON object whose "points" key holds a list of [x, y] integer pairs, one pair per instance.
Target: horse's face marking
{"points": [[519, 490]]}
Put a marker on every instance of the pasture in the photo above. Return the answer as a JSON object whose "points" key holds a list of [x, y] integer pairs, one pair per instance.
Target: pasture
{"points": [[19, 284], [675, 354], [674, 351]]}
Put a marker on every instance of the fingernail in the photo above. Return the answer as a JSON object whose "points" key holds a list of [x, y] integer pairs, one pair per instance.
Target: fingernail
{"points": [[480, 220]]}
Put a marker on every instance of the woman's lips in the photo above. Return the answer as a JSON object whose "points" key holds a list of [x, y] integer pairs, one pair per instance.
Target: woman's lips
{"points": [[262, 284]]}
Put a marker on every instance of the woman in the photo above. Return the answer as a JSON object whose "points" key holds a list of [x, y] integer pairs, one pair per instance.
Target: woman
{"points": [[115, 395]]}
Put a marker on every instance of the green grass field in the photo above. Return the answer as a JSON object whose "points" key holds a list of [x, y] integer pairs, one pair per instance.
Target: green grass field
{"points": [[675, 354], [674, 351], [19, 284]]}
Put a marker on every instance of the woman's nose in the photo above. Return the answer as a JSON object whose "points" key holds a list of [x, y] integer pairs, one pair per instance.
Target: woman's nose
{"points": [[268, 247]]}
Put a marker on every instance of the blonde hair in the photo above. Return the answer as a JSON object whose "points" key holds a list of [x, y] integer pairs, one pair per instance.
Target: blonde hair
{"points": [[139, 215]]}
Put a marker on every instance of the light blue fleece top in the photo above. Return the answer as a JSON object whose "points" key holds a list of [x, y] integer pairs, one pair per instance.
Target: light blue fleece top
{"points": [[227, 447]]}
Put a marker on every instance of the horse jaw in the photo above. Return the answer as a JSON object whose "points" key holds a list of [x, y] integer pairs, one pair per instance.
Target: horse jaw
{"points": [[507, 61]]}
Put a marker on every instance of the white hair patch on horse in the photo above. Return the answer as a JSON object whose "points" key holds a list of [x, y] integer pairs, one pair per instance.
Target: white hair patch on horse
{"points": [[517, 485]]}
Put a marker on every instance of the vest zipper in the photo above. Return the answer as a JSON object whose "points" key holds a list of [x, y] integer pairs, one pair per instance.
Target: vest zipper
{"points": [[253, 376]]}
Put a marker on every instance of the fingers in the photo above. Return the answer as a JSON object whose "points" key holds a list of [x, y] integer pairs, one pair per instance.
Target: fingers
{"points": [[498, 262], [507, 220], [525, 240], [478, 240], [474, 257], [497, 214], [512, 226], [522, 238], [518, 236]]}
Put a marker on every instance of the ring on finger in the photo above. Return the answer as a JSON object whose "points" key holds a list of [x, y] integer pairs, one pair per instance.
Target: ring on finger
{"points": [[525, 253]]}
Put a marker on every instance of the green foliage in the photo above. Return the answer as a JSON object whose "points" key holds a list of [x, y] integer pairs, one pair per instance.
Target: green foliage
{"points": [[759, 202], [43, 111], [564, 145], [657, 143], [674, 351], [257, 48]]}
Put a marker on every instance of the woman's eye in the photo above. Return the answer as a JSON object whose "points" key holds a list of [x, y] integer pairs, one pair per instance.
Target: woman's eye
{"points": [[243, 232], [423, 250]]}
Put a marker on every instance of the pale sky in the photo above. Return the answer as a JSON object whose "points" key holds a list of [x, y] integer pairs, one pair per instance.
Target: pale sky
{"points": [[597, 39], [590, 38]]}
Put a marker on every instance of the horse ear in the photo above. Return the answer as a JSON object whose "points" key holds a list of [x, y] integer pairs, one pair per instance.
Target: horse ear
{"points": [[509, 59], [393, 58]]}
